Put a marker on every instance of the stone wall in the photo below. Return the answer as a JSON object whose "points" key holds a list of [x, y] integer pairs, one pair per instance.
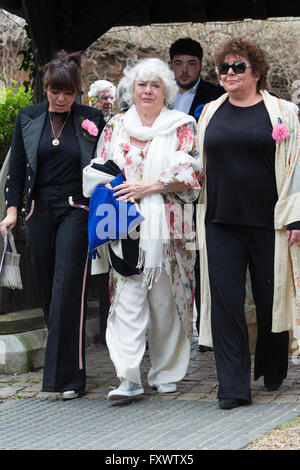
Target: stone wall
{"points": [[107, 57]]}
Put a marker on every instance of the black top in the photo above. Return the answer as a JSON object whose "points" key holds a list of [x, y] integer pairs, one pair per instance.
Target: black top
{"points": [[241, 184], [23, 161], [58, 165]]}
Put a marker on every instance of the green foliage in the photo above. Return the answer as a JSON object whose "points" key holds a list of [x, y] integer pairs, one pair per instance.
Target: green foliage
{"points": [[11, 100], [28, 60]]}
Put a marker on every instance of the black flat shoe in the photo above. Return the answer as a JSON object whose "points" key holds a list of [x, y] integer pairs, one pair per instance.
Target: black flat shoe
{"points": [[70, 394], [204, 349], [272, 386], [229, 403]]}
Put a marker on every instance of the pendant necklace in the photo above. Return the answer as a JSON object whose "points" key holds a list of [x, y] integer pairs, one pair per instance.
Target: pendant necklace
{"points": [[55, 141]]}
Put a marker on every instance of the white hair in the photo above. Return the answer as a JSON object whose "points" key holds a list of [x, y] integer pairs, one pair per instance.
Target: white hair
{"points": [[101, 85], [148, 69]]}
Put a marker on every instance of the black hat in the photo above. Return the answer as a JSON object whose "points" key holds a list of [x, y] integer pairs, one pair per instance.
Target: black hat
{"points": [[186, 46]]}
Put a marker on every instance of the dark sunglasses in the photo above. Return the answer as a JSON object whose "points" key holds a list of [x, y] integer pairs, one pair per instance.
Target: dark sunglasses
{"points": [[238, 67]]}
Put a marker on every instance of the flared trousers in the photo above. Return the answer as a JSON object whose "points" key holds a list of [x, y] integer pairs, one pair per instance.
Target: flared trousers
{"points": [[137, 313], [58, 243], [230, 249]]}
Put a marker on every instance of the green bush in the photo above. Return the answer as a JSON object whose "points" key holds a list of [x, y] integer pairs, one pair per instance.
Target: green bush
{"points": [[11, 100]]}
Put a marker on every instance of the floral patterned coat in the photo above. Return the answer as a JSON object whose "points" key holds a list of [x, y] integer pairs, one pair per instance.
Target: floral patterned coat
{"points": [[178, 206]]}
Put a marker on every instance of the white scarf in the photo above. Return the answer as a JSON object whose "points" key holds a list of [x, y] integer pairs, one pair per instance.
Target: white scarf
{"points": [[154, 243]]}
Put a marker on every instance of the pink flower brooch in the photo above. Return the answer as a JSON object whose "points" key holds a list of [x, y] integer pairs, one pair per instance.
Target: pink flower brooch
{"points": [[91, 130], [125, 148], [281, 132]]}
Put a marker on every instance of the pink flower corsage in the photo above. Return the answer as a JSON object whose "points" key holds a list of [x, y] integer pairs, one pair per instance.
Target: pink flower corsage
{"points": [[281, 132], [125, 148], [90, 127]]}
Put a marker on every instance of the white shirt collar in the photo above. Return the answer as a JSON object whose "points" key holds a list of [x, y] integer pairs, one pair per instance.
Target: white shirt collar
{"points": [[184, 100]]}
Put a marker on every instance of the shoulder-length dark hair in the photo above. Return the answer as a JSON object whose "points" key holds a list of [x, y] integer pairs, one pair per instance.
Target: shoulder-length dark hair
{"points": [[63, 72], [249, 50]]}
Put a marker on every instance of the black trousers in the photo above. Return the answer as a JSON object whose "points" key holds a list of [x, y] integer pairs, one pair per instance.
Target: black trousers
{"points": [[197, 273], [230, 248], [58, 243], [197, 290]]}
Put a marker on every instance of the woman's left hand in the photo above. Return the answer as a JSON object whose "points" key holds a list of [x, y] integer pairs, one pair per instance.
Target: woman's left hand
{"points": [[132, 189], [201, 177], [293, 236]]}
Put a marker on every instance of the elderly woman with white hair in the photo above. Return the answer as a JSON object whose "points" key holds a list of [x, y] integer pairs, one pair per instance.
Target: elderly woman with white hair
{"points": [[102, 95], [156, 150]]}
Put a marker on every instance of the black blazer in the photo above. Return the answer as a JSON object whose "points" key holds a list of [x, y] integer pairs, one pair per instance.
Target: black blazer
{"points": [[25, 142], [205, 93]]}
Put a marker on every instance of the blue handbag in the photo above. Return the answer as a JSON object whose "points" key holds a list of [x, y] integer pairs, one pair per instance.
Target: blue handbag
{"points": [[109, 219]]}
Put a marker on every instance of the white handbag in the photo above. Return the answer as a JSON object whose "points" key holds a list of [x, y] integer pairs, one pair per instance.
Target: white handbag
{"points": [[10, 275]]}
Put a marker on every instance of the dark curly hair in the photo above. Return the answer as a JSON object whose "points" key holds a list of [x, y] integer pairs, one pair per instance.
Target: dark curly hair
{"points": [[63, 72], [249, 50]]}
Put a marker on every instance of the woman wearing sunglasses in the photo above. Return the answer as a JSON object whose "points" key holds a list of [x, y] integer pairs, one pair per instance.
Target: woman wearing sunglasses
{"points": [[249, 141]]}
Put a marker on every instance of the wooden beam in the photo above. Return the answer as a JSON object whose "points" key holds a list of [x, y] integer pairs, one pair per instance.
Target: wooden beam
{"points": [[13, 6], [87, 26], [41, 21]]}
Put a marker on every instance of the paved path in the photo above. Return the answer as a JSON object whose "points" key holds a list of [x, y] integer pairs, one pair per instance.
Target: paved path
{"points": [[188, 419]]}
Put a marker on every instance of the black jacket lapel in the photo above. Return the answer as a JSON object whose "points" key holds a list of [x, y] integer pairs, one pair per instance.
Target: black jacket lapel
{"points": [[32, 130], [205, 93], [87, 148]]}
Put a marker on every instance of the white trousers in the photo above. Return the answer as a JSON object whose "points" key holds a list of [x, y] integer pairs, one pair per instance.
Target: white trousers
{"points": [[136, 311]]}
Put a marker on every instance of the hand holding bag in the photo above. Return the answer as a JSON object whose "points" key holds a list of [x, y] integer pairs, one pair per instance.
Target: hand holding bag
{"points": [[10, 275], [109, 219]]}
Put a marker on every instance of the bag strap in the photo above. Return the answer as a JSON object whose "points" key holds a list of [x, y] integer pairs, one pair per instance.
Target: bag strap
{"points": [[12, 241]]}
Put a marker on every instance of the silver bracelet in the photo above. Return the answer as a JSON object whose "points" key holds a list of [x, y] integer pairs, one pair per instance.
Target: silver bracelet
{"points": [[165, 192]]}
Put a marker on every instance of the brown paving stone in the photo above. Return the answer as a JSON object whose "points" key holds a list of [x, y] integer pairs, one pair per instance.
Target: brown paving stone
{"points": [[200, 383]]}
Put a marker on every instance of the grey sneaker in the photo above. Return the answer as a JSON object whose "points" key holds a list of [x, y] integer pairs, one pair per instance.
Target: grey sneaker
{"points": [[126, 391], [166, 388]]}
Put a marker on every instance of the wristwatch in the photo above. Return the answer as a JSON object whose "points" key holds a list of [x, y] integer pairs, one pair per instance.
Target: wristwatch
{"points": [[165, 189]]}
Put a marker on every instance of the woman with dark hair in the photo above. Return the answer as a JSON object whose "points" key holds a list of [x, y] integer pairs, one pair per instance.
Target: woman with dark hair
{"points": [[249, 141], [52, 142]]}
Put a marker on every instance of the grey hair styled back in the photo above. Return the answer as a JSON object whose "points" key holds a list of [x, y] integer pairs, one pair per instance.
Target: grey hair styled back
{"points": [[101, 85]]}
